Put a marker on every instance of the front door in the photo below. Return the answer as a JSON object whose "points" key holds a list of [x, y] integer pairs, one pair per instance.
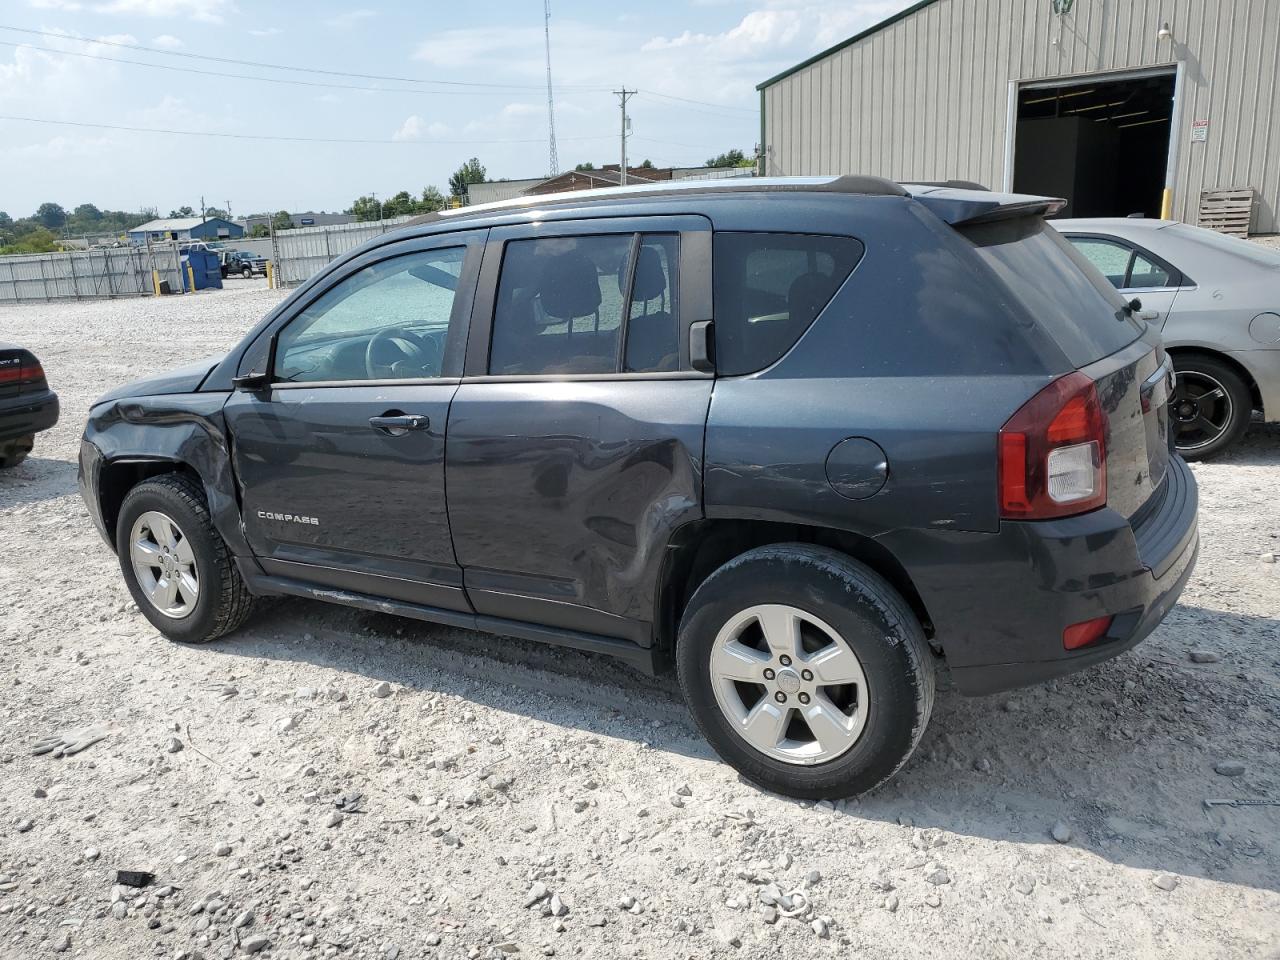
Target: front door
{"points": [[340, 460], [575, 440]]}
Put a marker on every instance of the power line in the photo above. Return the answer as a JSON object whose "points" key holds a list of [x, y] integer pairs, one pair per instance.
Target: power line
{"points": [[704, 103], [272, 137], [244, 76], [278, 66]]}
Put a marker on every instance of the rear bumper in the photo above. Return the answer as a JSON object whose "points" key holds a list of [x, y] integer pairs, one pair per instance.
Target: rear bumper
{"points": [[1000, 617], [23, 415]]}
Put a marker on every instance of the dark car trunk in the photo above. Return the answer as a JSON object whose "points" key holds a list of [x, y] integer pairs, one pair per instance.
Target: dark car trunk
{"points": [[1100, 337], [20, 372]]}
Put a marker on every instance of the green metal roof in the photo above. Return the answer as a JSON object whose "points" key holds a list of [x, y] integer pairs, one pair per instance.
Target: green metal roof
{"points": [[902, 15]]}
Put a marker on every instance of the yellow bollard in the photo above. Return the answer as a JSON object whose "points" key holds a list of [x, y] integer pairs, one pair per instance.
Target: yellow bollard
{"points": [[155, 281], [271, 275], [191, 279], [1166, 204]]}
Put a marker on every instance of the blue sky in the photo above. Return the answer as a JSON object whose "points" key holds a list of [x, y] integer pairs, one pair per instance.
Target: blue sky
{"points": [[714, 51]]}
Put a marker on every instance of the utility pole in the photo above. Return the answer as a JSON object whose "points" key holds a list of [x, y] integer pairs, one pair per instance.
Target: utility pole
{"points": [[554, 161], [228, 203], [202, 209], [623, 96]]}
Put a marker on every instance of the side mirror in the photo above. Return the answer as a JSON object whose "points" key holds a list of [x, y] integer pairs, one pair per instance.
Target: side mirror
{"points": [[251, 382], [702, 346]]}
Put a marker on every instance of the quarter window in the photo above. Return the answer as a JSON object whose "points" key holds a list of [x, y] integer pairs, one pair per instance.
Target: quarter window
{"points": [[388, 321], [768, 289], [563, 307], [1126, 268]]}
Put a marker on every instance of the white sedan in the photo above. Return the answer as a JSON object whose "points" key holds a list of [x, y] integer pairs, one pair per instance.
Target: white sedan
{"points": [[1217, 301]]}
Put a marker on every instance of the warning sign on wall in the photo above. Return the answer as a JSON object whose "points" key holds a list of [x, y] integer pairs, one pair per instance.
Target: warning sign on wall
{"points": [[1200, 130]]}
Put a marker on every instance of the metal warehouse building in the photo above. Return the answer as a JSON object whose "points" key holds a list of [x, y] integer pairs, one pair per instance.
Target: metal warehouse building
{"points": [[1121, 106]]}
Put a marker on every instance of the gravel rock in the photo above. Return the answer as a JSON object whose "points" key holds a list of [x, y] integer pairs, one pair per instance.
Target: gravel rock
{"points": [[254, 943], [119, 910], [61, 942], [382, 690], [558, 907], [174, 745], [536, 893], [937, 876], [242, 919], [222, 850], [1229, 768], [1024, 885], [819, 926], [333, 819], [1205, 656], [1165, 881], [933, 900], [1061, 832]]}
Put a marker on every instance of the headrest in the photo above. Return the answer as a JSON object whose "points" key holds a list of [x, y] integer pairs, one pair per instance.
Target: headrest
{"points": [[650, 280], [568, 286]]}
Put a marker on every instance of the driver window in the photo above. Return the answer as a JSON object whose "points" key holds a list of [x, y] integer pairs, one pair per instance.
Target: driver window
{"points": [[388, 321]]}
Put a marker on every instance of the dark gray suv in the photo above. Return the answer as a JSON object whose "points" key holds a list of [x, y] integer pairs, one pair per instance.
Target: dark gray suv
{"points": [[801, 438]]}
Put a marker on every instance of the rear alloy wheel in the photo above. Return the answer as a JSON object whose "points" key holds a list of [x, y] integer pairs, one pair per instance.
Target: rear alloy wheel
{"points": [[806, 671], [1210, 407], [175, 563], [247, 273]]}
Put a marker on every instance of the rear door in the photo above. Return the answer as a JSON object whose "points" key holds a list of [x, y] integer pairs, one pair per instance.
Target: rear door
{"points": [[340, 459], [1088, 318], [1134, 272], [575, 439]]}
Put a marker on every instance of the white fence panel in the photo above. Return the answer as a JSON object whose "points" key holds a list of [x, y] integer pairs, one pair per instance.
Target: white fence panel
{"points": [[87, 274], [302, 253]]}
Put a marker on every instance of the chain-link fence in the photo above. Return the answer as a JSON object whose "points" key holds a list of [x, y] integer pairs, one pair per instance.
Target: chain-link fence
{"points": [[89, 274], [302, 253]]}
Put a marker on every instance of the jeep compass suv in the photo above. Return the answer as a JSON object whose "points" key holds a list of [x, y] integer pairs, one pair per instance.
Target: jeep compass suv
{"points": [[800, 438]]}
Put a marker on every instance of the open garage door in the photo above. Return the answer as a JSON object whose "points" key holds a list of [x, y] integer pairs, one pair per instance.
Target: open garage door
{"points": [[1103, 145]]}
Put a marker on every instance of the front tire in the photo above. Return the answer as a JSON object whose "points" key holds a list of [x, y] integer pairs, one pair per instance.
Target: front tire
{"points": [[1210, 408], [806, 671], [247, 273], [176, 565]]}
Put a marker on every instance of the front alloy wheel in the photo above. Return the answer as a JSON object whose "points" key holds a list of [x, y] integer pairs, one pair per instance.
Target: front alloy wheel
{"points": [[791, 685], [164, 564]]}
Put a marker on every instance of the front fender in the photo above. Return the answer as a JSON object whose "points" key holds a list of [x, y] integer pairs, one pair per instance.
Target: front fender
{"points": [[186, 430]]}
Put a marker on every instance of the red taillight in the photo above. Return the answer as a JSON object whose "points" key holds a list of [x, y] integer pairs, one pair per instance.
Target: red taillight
{"points": [[1082, 634], [1053, 453], [10, 372], [32, 372]]}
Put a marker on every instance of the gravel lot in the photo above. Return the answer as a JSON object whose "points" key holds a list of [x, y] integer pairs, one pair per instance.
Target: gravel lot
{"points": [[492, 773]]}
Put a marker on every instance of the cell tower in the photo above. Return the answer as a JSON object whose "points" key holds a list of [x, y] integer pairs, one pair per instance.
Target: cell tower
{"points": [[551, 103]]}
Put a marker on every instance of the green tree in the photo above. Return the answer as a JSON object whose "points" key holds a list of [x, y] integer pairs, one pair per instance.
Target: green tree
{"points": [[86, 211], [432, 200], [39, 240], [259, 231], [281, 220], [183, 211], [585, 166], [365, 208], [731, 158], [647, 165], [472, 171], [51, 215], [211, 212]]}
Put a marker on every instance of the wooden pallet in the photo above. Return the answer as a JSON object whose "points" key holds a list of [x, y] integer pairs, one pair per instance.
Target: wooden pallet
{"points": [[1227, 211]]}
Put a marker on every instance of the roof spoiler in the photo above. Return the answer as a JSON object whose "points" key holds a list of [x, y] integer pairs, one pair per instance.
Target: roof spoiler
{"points": [[964, 207]]}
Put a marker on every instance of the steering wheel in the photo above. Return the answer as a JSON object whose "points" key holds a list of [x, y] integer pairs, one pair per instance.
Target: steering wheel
{"points": [[407, 345]]}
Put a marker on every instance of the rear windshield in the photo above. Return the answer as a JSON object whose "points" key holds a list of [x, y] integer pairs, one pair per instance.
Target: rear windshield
{"points": [[1062, 290], [1236, 247]]}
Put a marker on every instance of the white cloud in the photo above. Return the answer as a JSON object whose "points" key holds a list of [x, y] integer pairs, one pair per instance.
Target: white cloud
{"points": [[415, 128], [69, 5], [208, 11], [345, 21], [265, 32], [167, 41]]}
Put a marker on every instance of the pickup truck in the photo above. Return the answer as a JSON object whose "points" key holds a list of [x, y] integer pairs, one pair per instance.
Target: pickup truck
{"points": [[242, 263]]}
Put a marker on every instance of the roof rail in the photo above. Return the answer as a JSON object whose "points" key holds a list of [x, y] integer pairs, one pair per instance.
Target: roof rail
{"points": [[849, 184]]}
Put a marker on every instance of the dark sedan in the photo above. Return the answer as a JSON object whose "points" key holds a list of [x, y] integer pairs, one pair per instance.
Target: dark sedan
{"points": [[27, 405]]}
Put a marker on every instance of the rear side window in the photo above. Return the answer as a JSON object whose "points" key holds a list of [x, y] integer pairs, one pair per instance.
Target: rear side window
{"points": [[1058, 287], [563, 309], [768, 289]]}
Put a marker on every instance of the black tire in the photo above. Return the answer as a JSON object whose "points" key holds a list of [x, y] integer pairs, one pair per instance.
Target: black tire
{"points": [[867, 613], [14, 452], [224, 601], [247, 273], [1202, 371]]}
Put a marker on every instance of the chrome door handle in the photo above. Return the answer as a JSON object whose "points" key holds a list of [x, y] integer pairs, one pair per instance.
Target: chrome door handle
{"points": [[397, 425]]}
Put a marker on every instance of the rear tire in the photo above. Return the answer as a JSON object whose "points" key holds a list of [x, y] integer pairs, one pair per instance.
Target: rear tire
{"points": [[830, 606], [1199, 377], [247, 273], [213, 599], [13, 452]]}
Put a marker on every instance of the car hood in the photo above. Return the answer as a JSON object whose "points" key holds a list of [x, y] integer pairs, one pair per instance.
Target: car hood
{"points": [[184, 379]]}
